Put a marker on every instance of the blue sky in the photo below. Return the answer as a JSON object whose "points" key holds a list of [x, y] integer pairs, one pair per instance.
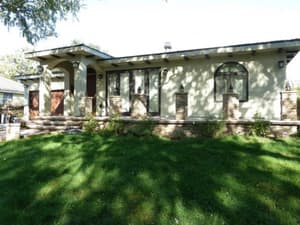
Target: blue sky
{"points": [[127, 27]]}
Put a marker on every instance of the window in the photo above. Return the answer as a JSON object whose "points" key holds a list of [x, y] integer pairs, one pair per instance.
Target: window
{"points": [[126, 83], [7, 97], [231, 77]]}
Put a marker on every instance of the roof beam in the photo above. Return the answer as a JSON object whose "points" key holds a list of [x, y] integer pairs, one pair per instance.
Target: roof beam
{"points": [[55, 56], [186, 58], [41, 58], [89, 56], [70, 54], [166, 60], [114, 65]]}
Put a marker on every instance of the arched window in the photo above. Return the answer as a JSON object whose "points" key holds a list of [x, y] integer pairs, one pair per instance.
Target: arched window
{"points": [[231, 77]]}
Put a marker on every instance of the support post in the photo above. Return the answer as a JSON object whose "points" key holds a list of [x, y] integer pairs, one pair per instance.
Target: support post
{"points": [[80, 80], [26, 103], [181, 105], [45, 92], [231, 106], [139, 106], [288, 105]]}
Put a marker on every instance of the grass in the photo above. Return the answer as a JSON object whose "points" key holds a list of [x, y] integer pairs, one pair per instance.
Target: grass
{"points": [[90, 179]]}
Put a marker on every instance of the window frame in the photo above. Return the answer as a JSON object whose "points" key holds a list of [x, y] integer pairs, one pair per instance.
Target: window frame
{"points": [[218, 75], [146, 70]]}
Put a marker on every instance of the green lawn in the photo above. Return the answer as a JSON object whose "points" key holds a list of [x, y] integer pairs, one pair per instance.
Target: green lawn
{"points": [[90, 179]]}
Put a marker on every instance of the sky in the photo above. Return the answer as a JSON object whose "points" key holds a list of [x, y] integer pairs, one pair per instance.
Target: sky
{"points": [[129, 27]]}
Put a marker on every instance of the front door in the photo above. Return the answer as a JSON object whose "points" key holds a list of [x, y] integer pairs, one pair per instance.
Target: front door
{"points": [[33, 104], [91, 89], [57, 102]]}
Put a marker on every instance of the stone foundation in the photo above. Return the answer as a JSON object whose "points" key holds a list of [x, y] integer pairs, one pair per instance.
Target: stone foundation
{"points": [[9, 131], [179, 129]]}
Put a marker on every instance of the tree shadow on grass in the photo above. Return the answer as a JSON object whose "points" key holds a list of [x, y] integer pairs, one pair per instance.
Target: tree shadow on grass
{"points": [[90, 179]]}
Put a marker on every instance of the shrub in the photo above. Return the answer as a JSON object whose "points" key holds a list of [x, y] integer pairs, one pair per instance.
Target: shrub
{"points": [[115, 126], [90, 125], [141, 128], [212, 128], [260, 126]]}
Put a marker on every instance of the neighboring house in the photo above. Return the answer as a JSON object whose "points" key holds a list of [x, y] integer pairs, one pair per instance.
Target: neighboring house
{"points": [[11, 92], [91, 81]]}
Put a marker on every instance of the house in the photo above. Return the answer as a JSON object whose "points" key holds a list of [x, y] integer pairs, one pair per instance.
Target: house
{"points": [[184, 85], [11, 92]]}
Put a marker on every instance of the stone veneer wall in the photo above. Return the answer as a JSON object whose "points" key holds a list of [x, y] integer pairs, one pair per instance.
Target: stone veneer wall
{"points": [[288, 105], [181, 106], [173, 128]]}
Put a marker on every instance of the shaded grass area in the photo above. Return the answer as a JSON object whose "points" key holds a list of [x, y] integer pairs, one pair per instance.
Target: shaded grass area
{"points": [[91, 179]]}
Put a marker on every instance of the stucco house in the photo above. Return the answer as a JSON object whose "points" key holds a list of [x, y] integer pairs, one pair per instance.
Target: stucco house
{"points": [[184, 85]]}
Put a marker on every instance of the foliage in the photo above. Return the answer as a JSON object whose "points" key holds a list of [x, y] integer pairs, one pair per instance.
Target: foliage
{"points": [[90, 179], [298, 102], [211, 128], [259, 127], [141, 128], [16, 64], [115, 126], [90, 125], [36, 18]]}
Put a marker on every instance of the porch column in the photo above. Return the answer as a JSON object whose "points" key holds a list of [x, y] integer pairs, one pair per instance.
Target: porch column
{"points": [[288, 105], [26, 103], [45, 92], [68, 104], [80, 77]]}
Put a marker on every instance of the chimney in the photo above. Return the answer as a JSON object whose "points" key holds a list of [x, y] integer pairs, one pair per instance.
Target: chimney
{"points": [[167, 46]]}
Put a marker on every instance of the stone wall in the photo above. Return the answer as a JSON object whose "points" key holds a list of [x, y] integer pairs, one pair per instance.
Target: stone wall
{"points": [[179, 129]]}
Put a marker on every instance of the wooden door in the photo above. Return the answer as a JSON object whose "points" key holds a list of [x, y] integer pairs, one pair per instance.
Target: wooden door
{"points": [[91, 89], [57, 103], [33, 104]]}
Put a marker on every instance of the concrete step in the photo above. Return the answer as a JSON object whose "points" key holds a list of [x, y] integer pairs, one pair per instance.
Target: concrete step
{"points": [[56, 123], [52, 126]]}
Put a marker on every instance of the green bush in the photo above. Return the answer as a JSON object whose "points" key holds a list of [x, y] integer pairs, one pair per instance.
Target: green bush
{"points": [[115, 126], [91, 125], [259, 127], [211, 128], [141, 128]]}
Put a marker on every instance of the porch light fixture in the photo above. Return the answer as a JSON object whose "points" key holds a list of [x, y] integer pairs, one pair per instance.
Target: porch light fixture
{"points": [[75, 64], [40, 69], [281, 64], [181, 88], [165, 72]]}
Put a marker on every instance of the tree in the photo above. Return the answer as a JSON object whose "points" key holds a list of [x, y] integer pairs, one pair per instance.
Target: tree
{"points": [[36, 18], [16, 64]]}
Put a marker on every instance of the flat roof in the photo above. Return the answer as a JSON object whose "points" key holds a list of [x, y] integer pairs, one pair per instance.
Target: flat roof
{"points": [[89, 52], [11, 86], [288, 45], [71, 51]]}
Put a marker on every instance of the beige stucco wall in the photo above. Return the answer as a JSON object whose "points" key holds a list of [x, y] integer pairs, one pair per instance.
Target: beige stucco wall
{"points": [[266, 81], [56, 84]]}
